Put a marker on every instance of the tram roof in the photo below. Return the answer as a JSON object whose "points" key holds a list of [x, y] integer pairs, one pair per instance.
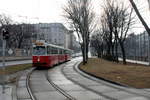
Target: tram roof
{"points": [[52, 45]]}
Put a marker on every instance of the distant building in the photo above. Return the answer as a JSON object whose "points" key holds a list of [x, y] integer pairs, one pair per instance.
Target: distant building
{"points": [[75, 45], [68, 39], [54, 33]]}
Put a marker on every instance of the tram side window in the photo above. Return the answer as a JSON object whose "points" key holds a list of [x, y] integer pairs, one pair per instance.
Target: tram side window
{"points": [[56, 50], [48, 50], [60, 51], [53, 50], [65, 51], [68, 52]]}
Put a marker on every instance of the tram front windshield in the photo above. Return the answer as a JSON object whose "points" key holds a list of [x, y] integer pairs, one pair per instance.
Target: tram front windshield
{"points": [[39, 50]]}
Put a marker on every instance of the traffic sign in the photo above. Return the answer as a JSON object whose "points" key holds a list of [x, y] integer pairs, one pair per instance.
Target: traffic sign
{"points": [[10, 51]]}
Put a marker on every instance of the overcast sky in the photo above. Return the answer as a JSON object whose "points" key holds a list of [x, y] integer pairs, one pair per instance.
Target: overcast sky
{"points": [[51, 10], [44, 10]]}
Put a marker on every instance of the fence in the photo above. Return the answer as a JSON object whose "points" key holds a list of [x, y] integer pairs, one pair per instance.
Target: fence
{"points": [[16, 52], [137, 47]]}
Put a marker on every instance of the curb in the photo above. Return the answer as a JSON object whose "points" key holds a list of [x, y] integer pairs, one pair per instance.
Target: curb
{"points": [[120, 86], [17, 59], [79, 70]]}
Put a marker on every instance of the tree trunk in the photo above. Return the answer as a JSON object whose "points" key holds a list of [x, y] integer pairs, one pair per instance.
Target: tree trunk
{"points": [[102, 50], [99, 53], [140, 17], [116, 51], [83, 55], [87, 49], [123, 52], [112, 52], [20, 42], [108, 49]]}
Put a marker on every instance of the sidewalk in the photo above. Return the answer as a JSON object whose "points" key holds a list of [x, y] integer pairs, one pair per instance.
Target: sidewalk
{"points": [[8, 93], [136, 62], [10, 88], [17, 62], [14, 58]]}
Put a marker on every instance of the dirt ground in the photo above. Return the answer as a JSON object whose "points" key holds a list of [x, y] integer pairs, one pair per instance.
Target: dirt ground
{"points": [[132, 75], [14, 68]]}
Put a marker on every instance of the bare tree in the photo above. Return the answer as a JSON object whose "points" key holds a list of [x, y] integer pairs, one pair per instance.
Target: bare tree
{"points": [[5, 20], [81, 17], [97, 43], [125, 24], [117, 21], [20, 33], [107, 26]]}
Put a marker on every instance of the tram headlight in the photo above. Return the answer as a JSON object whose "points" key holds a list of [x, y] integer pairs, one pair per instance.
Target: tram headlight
{"points": [[38, 59]]}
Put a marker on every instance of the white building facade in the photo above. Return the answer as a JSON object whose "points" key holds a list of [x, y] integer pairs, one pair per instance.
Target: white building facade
{"points": [[54, 33]]}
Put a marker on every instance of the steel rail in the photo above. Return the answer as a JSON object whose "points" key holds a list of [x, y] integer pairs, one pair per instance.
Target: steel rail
{"points": [[59, 89], [28, 85]]}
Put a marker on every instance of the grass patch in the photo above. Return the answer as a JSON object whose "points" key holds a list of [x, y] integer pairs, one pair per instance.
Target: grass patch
{"points": [[15, 68], [133, 75]]}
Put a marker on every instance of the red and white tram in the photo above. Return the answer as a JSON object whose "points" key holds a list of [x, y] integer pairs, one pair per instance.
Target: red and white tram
{"points": [[48, 55]]}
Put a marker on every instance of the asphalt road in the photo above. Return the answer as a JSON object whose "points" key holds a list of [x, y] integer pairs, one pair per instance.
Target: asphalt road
{"points": [[15, 62]]}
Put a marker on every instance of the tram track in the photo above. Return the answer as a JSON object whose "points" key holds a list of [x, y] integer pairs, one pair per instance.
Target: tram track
{"points": [[29, 87], [53, 84], [74, 90], [59, 90]]}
